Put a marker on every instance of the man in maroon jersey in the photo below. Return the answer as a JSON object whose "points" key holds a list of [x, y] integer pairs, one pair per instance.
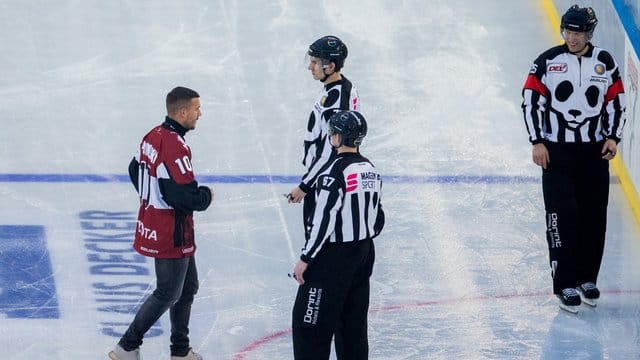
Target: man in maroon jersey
{"points": [[162, 174]]}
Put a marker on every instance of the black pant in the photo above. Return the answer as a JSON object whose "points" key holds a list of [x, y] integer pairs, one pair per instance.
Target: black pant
{"points": [[335, 295], [308, 209], [177, 283], [576, 192]]}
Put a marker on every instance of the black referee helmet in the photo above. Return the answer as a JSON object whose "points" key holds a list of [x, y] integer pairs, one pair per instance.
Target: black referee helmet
{"points": [[331, 49], [579, 19], [351, 125]]}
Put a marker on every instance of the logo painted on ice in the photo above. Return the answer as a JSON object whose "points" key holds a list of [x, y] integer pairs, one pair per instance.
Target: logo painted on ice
{"points": [[352, 182], [27, 286], [119, 275], [557, 68]]}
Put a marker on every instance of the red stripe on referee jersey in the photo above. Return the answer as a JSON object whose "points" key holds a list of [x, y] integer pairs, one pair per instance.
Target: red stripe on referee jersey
{"points": [[533, 83], [615, 89]]}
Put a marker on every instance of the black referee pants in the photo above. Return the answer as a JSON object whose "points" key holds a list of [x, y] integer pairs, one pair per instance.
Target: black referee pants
{"points": [[308, 208], [335, 295], [576, 191]]}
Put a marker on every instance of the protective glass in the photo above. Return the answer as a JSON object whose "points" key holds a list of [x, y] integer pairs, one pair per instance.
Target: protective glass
{"points": [[315, 61]]}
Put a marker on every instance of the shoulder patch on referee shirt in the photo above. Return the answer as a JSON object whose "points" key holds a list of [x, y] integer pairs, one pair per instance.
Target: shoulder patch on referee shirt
{"points": [[352, 182]]}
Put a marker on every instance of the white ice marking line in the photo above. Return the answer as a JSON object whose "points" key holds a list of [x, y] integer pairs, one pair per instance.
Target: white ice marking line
{"points": [[253, 253], [252, 118], [205, 340], [203, 281]]}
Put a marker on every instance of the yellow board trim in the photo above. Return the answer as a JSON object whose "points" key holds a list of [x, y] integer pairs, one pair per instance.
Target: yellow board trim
{"points": [[618, 165], [549, 7], [627, 185]]}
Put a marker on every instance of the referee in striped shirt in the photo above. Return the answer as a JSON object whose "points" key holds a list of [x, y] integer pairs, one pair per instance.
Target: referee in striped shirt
{"points": [[337, 260]]}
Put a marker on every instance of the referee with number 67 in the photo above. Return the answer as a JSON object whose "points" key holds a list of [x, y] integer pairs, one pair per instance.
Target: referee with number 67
{"points": [[337, 260]]}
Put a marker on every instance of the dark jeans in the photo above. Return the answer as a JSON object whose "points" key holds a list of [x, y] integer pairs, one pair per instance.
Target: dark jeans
{"points": [[177, 283]]}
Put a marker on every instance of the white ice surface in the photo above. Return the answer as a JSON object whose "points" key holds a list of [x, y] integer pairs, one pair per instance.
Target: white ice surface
{"points": [[461, 269]]}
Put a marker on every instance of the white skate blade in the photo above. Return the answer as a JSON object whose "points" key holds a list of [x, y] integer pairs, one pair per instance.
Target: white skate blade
{"points": [[570, 309], [590, 302]]}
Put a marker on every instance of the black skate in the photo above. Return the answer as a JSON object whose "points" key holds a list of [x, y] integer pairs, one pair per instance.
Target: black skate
{"points": [[590, 293], [569, 300]]}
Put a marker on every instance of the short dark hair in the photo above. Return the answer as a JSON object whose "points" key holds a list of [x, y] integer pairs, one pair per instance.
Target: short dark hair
{"points": [[179, 97]]}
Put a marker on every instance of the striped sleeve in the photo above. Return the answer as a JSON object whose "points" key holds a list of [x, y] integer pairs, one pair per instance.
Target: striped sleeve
{"points": [[329, 197], [534, 96], [614, 115]]}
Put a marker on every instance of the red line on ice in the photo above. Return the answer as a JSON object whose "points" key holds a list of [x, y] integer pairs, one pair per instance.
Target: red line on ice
{"points": [[262, 341]]}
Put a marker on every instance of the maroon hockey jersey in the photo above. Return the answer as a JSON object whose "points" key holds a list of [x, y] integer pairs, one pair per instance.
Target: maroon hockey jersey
{"points": [[162, 173]]}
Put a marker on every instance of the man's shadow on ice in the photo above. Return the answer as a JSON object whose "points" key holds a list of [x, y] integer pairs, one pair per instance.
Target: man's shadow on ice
{"points": [[611, 326], [574, 336]]}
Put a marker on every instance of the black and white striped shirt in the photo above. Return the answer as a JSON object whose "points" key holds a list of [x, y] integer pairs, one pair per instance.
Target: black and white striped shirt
{"points": [[348, 204], [570, 99], [318, 152]]}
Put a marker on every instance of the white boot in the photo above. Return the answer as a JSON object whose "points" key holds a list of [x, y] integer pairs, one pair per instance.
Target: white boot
{"points": [[118, 353], [190, 356]]}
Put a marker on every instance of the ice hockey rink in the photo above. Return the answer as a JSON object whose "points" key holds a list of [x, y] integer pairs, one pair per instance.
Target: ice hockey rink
{"points": [[461, 269]]}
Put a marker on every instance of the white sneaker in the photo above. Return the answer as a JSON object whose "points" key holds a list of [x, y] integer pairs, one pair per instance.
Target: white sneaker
{"points": [[118, 353], [190, 356]]}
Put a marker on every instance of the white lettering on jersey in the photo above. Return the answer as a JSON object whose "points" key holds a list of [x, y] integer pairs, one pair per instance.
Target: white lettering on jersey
{"points": [[184, 164], [146, 232], [152, 251], [149, 151], [327, 181]]}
